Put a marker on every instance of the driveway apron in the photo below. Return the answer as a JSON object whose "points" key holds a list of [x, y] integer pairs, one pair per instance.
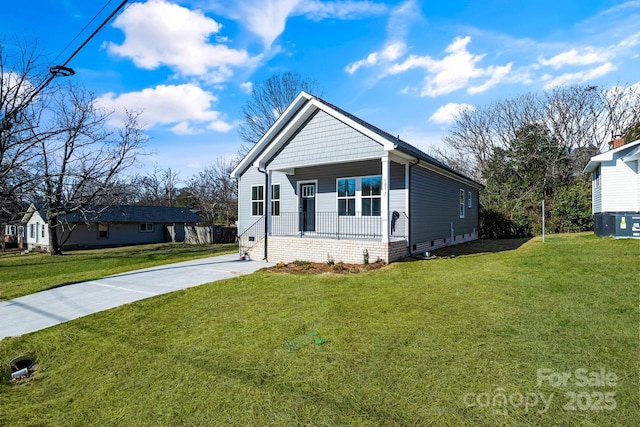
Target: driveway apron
{"points": [[47, 308]]}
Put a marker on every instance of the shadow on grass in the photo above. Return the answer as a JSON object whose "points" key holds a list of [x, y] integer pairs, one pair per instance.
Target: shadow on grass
{"points": [[481, 246]]}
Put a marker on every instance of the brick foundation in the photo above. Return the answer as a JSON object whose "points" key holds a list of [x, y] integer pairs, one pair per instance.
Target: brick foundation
{"points": [[288, 249]]}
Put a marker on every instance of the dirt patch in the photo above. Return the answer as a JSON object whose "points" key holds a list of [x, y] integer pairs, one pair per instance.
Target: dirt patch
{"points": [[306, 267]]}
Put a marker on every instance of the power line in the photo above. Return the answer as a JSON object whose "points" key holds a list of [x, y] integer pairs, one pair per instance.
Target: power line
{"points": [[57, 71], [82, 30]]}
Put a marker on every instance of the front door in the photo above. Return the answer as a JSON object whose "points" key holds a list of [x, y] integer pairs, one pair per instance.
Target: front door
{"points": [[308, 207]]}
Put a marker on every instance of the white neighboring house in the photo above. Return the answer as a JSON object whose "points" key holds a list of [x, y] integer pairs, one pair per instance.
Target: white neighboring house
{"points": [[37, 233], [615, 177]]}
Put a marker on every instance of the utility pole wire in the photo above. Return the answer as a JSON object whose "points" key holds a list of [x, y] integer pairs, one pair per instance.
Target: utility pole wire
{"points": [[56, 71]]}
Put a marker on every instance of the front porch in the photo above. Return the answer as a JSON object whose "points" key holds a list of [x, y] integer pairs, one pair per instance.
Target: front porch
{"points": [[292, 236]]}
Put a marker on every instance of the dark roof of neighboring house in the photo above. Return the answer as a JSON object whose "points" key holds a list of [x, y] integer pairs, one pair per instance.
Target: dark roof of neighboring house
{"points": [[127, 213]]}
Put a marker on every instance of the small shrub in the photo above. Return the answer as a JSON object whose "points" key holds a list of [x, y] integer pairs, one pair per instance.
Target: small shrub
{"points": [[365, 256], [330, 260], [338, 267], [304, 265], [281, 265]]}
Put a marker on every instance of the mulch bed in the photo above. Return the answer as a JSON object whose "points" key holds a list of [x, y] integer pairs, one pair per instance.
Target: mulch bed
{"points": [[305, 267]]}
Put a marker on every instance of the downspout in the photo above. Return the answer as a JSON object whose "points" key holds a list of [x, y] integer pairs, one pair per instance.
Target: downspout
{"points": [[265, 210], [408, 207]]}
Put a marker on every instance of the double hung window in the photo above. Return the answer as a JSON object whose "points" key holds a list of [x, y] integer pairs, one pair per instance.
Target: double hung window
{"points": [[359, 196]]}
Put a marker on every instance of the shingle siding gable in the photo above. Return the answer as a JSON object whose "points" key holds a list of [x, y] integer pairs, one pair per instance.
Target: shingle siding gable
{"points": [[324, 139]]}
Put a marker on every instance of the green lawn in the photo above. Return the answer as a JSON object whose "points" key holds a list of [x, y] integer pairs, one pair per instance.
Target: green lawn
{"points": [[25, 274], [436, 342]]}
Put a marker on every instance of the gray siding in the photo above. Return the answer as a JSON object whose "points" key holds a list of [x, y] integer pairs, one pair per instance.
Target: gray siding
{"points": [[324, 139], [86, 235], [435, 204], [597, 193], [397, 189], [249, 178]]}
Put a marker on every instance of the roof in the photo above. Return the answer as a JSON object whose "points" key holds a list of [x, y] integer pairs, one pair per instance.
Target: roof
{"points": [[303, 107], [130, 214], [631, 149]]}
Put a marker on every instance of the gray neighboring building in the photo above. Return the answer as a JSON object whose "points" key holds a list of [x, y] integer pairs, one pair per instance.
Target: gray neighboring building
{"points": [[104, 226], [322, 184]]}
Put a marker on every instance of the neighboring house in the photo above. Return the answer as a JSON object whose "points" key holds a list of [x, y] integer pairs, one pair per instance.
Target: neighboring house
{"points": [[323, 185], [103, 226], [13, 234], [615, 180]]}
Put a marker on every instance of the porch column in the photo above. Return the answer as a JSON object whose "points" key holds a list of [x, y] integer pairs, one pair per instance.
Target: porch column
{"points": [[267, 202], [384, 202]]}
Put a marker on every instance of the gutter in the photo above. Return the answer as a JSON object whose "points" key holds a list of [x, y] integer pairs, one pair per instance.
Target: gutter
{"points": [[266, 189]]}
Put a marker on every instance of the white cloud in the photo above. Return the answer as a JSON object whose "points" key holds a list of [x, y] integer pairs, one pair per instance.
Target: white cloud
{"points": [[247, 87], [159, 33], [268, 18], [580, 76], [187, 105], [395, 46], [453, 72], [448, 113], [318, 10], [389, 53], [498, 75], [588, 56]]}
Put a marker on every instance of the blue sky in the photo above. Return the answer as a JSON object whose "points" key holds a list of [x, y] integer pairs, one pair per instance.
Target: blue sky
{"points": [[404, 66]]}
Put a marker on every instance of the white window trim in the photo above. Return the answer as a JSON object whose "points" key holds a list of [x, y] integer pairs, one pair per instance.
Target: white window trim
{"points": [[279, 199], [461, 201], [257, 200], [358, 197], [354, 197]]}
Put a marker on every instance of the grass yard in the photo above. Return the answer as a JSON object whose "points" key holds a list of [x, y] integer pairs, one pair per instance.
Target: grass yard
{"points": [[25, 274], [543, 335]]}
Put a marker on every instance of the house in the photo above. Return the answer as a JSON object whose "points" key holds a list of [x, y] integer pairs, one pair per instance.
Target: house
{"points": [[323, 185], [615, 181], [12, 234], [103, 226]]}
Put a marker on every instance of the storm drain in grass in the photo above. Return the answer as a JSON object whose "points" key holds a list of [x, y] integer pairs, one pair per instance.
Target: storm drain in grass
{"points": [[22, 368]]}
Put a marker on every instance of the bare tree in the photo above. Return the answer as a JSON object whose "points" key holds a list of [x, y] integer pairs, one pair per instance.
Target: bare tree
{"points": [[157, 187], [82, 156], [214, 193], [580, 118], [268, 101], [21, 71]]}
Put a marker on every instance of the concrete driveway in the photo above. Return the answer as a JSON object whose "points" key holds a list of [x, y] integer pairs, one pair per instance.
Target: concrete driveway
{"points": [[43, 309]]}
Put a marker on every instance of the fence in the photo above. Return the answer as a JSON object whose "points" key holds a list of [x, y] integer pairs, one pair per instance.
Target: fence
{"points": [[209, 235]]}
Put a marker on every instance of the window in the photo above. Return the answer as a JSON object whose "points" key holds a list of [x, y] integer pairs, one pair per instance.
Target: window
{"points": [[257, 200], [596, 177], [347, 197], [275, 199], [145, 228], [371, 191], [469, 199], [32, 231], [461, 203], [42, 232], [103, 231]]}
